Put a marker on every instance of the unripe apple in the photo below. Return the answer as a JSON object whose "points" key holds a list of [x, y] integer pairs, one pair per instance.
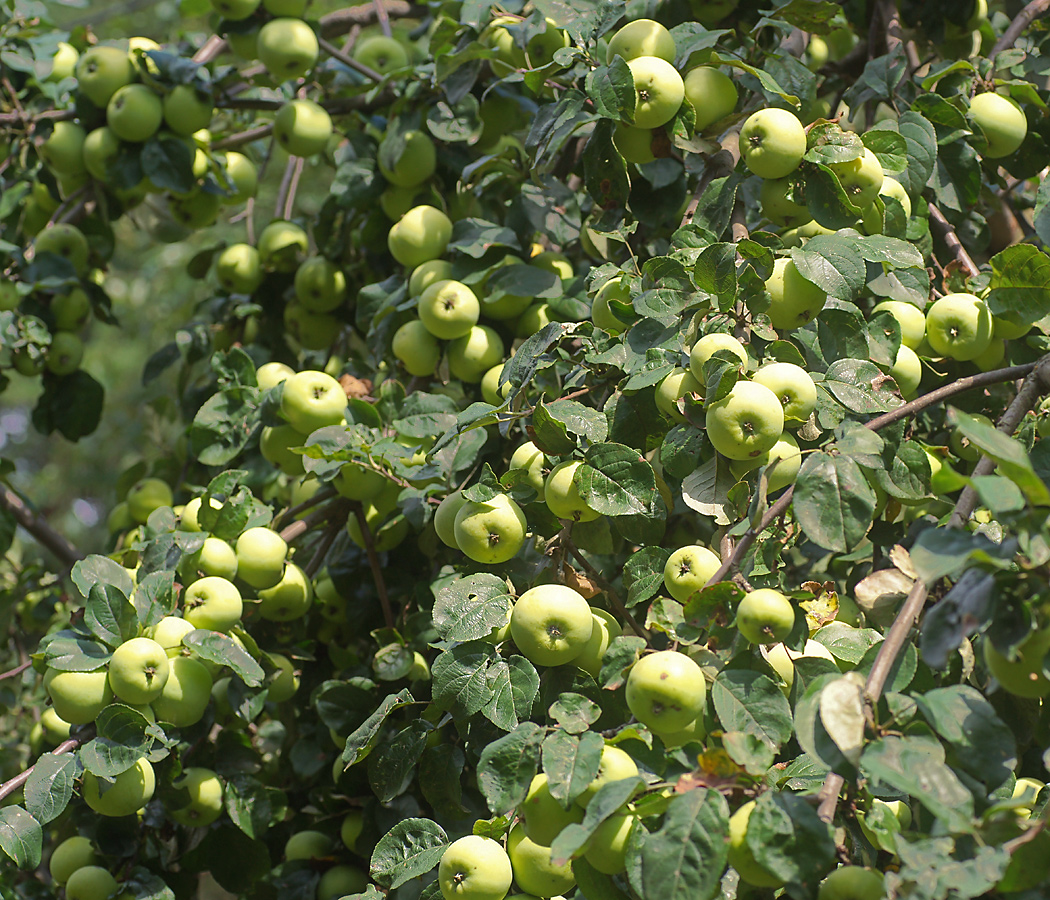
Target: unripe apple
{"points": [[64, 62], [562, 496], [861, 178], [474, 353], [530, 458], [1002, 121], [91, 883], [129, 791], [534, 871], [187, 110], [772, 142], [659, 91], [339, 881], [745, 423], [708, 345], [778, 207], [907, 371], [794, 388], [71, 310], [789, 461], [416, 348], [642, 37], [134, 113], [426, 274], [101, 71], [688, 570], [602, 314], [607, 846], [852, 883], [666, 691], [605, 629], [63, 151], [794, 300], [615, 765], [65, 353], [169, 632], [672, 388], [1021, 675], [289, 599], [78, 697], [205, 792], [287, 47], [72, 854], [242, 175], [635, 144], [313, 400], [421, 234], [959, 326], [147, 495], [911, 319], [543, 817], [197, 210], [239, 269], [551, 624], [765, 616], [740, 856], [66, 241], [281, 246], [188, 518], [474, 868], [449, 309], [415, 163], [213, 602], [445, 518], [490, 532], [286, 683], [302, 127], [138, 670], [381, 53], [235, 10]]}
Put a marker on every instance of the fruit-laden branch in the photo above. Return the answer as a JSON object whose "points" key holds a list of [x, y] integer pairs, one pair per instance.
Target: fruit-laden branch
{"points": [[13, 784], [373, 562], [38, 528], [1035, 386], [961, 385], [951, 239], [341, 21], [1021, 21], [614, 598], [383, 16]]}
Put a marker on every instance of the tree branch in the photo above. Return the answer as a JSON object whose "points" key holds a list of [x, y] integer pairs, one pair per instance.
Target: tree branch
{"points": [[614, 598], [948, 235], [1021, 21], [338, 54], [13, 784], [17, 670], [373, 562], [38, 528], [341, 21]]}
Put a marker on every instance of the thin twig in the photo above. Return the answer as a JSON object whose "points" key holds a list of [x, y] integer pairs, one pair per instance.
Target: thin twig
{"points": [[382, 16], [51, 115], [285, 188], [13, 784], [289, 202], [327, 539], [373, 562], [951, 239], [1021, 21], [320, 497], [38, 528], [243, 137], [298, 528], [614, 598], [343, 20], [210, 49], [334, 52], [17, 670]]}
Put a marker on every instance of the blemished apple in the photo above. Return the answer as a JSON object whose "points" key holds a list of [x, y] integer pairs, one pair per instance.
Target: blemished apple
{"points": [[287, 47], [534, 870], [689, 569], [959, 326], [128, 792], [420, 235], [666, 691], [642, 37], [312, 400], [415, 163], [1002, 121], [551, 624], [78, 697], [449, 309], [562, 495], [474, 868], [138, 670], [542, 816], [213, 603], [745, 423], [659, 91], [490, 532], [260, 557], [772, 142], [794, 300], [101, 71], [302, 127], [793, 386], [765, 616]]}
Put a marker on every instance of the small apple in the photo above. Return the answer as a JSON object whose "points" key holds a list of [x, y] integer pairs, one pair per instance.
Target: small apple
{"points": [[554, 262], [242, 175], [666, 691], [416, 348], [205, 791], [287, 47], [186, 693], [380, 53], [861, 178], [911, 319], [607, 846], [615, 765], [1002, 121], [213, 602], [449, 309], [1022, 675], [187, 110], [281, 246], [794, 300], [308, 844], [793, 386], [147, 495], [642, 37], [63, 151], [543, 817], [781, 659], [260, 557], [659, 91], [91, 883], [562, 496], [65, 353], [356, 481], [421, 234], [302, 127], [745, 423], [289, 599], [959, 326], [711, 93], [239, 269], [891, 187], [66, 241], [672, 388], [474, 868], [778, 207], [772, 142], [602, 314], [351, 829], [490, 532], [907, 371], [534, 871], [688, 570], [530, 458], [474, 353], [169, 632], [63, 62], [765, 616], [134, 113], [445, 518], [124, 795], [852, 883], [72, 854], [138, 670], [101, 71], [188, 518], [313, 400], [635, 144], [740, 856], [339, 881], [550, 624], [426, 274], [415, 163], [71, 311]]}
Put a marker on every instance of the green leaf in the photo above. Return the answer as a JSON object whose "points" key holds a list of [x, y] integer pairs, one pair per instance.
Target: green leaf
{"points": [[604, 170], [475, 237], [1020, 283], [643, 574], [391, 766], [223, 425], [571, 762], [70, 405], [512, 687], [507, 766], [50, 786], [410, 849], [609, 799], [685, 859], [110, 615], [827, 144], [97, 569], [767, 82], [750, 702], [833, 502], [788, 838], [1010, 454], [611, 89], [364, 738], [222, 649], [21, 837], [155, 598], [460, 677], [616, 481], [168, 164], [833, 264], [574, 712], [124, 736], [707, 490], [915, 765], [70, 652], [889, 146], [252, 805], [827, 202], [842, 714], [470, 608]]}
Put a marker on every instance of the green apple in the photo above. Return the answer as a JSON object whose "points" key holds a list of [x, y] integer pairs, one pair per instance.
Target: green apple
{"points": [[72, 854], [907, 371], [959, 326], [550, 624], [861, 178], [339, 881], [308, 844], [187, 110], [420, 235], [449, 309], [242, 175], [213, 602], [961, 445], [197, 210], [745, 423], [124, 795], [672, 388], [740, 856], [891, 187], [1008, 326], [282, 245], [1021, 675], [765, 616], [169, 632], [308, 330], [534, 871], [134, 113], [509, 56], [541, 47], [536, 317], [287, 47], [782, 660], [474, 868], [205, 792], [474, 353], [65, 353], [63, 62], [911, 319], [356, 481], [642, 37], [71, 310], [543, 817], [91, 883], [289, 599], [416, 348], [320, 286], [605, 629], [796, 237], [530, 458], [688, 570], [1002, 121], [66, 241], [491, 392], [138, 670], [794, 388], [55, 728], [445, 518], [235, 10], [659, 91], [381, 54], [635, 144], [615, 765], [414, 164], [780, 208], [794, 300], [490, 532], [276, 445], [188, 518], [63, 151], [286, 683], [666, 691], [602, 314], [772, 142], [239, 269], [313, 400], [271, 374], [78, 697], [427, 273], [147, 495], [789, 461], [607, 846], [562, 496], [852, 883], [260, 557], [351, 829], [552, 261], [707, 346], [302, 127], [101, 71]]}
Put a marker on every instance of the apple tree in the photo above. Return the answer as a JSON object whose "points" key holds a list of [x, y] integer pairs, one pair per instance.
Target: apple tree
{"points": [[595, 450]]}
